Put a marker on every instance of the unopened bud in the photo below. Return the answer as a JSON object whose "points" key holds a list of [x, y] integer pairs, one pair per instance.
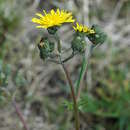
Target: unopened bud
{"points": [[98, 37], [46, 48], [78, 44]]}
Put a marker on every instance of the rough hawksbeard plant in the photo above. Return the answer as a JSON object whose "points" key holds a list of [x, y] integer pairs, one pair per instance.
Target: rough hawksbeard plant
{"points": [[52, 22]]}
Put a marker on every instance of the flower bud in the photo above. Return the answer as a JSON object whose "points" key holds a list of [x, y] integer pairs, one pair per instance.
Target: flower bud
{"points": [[46, 48], [98, 37], [78, 44]]}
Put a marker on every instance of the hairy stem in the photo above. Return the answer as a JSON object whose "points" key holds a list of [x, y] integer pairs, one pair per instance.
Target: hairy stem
{"points": [[76, 113]]}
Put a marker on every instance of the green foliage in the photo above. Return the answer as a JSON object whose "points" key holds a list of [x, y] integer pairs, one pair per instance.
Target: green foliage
{"points": [[69, 105], [112, 102]]}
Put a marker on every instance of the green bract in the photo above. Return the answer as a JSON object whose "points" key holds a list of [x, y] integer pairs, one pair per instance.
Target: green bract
{"points": [[52, 30]]}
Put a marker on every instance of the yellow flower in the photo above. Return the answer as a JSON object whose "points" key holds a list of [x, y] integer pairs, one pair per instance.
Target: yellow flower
{"points": [[82, 28], [53, 18]]}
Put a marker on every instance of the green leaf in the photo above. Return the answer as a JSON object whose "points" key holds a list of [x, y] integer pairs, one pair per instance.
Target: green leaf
{"points": [[83, 68]]}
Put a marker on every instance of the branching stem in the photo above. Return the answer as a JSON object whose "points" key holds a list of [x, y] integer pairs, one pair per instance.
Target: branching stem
{"points": [[76, 113]]}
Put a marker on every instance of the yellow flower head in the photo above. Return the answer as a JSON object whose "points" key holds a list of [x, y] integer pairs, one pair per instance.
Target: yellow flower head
{"points": [[53, 18], [82, 28]]}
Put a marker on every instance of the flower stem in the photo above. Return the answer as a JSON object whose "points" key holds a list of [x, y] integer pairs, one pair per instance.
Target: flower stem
{"points": [[76, 113]]}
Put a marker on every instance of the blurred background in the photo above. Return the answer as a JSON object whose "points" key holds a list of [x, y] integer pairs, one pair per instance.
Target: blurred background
{"points": [[40, 88]]}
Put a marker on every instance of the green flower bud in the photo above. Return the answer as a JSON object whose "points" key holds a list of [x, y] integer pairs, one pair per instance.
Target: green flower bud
{"points": [[52, 30], [98, 37], [46, 48], [78, 44]]}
